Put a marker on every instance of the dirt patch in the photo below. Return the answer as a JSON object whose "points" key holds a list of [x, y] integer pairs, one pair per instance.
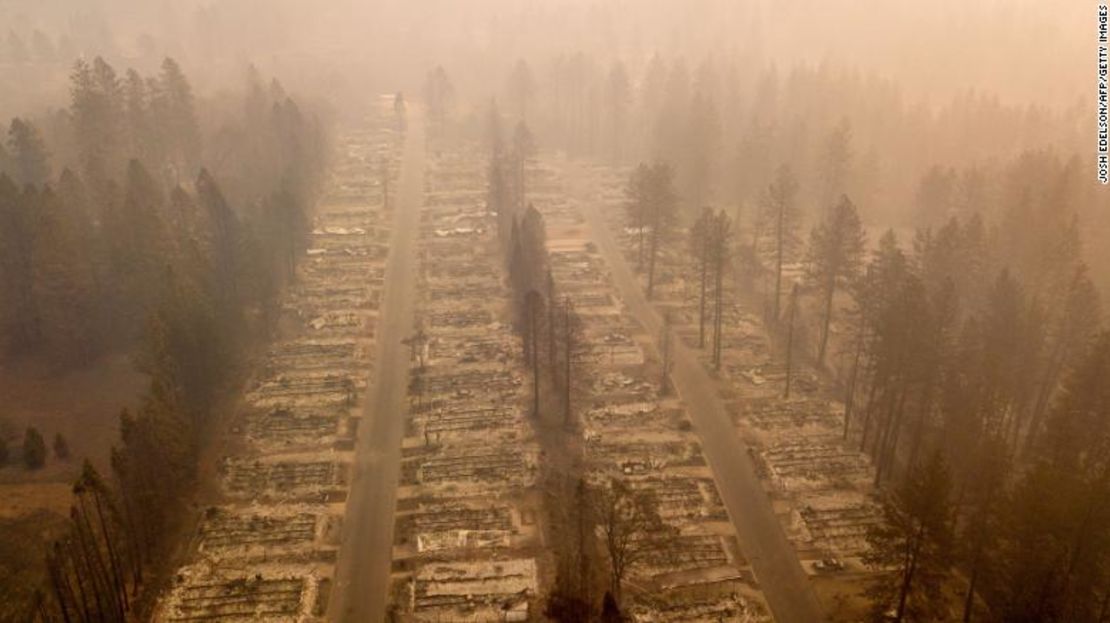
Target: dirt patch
{"points": [[842, 597], [83, 405], [23, 498]]}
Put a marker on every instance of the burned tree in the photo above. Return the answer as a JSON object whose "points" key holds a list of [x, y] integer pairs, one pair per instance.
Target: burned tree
{"points": [[574, 350], [627, 519], [575, 526], [92, 568], [534, 317], [439, 97]]}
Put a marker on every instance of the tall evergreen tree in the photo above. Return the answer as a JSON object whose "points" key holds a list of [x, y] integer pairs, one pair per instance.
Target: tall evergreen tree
{"points": [[780, 220], [1057, 534], [28, 152], [64, 284], [220, 239], [651, 202], [701, 247], [174, 111], [18, 228], [137, 116], [835, 253], [720, 254], [34, 449]]}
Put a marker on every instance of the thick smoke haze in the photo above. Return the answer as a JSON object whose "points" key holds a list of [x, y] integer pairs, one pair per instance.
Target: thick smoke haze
{"points": [[585, 311]]}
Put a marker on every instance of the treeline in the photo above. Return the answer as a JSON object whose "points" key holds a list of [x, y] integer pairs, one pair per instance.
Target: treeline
{"points": [[140, 249], [726, 123], [955, 358], [549, 326], [600, 526], [84, 255], [973, 369], [966, 356], [966, 359], [34, 46], [33, 449]]}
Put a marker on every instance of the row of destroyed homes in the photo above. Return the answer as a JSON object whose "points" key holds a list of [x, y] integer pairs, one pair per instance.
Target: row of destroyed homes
{"points": [[820, 484], [685, 563], [266, 545], [467, 546]]}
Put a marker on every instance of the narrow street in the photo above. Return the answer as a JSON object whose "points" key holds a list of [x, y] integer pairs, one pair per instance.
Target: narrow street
{"points": [[362, 577], [780, 575]]}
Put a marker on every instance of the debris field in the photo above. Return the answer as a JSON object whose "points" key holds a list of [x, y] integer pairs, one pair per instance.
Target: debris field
{"points": [[633, 431], [821, 486], [466, 536], [266, 546]]}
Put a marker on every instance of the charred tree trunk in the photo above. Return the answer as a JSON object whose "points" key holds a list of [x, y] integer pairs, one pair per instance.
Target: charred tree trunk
{"points": [[63, 593], [80, 573], [701, 298], [568, 351], [534, 332], [718, 314], [652, 253], [830, 290], [665, 348], [780, 242], [113, 559], [850, 394], [790, 340]]}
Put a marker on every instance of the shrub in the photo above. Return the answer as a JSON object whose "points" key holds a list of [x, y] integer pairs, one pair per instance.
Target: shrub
{"points": [[34, 449], [61, 448]]}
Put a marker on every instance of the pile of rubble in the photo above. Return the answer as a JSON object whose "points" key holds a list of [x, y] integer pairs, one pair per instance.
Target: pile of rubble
{"points": [[465, 537], [266, 547]]}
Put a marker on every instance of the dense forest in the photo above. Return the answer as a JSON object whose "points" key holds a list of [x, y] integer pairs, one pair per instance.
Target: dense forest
{"points": [[129, 227]]}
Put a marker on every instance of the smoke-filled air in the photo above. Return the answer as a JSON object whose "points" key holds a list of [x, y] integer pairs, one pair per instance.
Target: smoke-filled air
{"points": [[554, 311]]}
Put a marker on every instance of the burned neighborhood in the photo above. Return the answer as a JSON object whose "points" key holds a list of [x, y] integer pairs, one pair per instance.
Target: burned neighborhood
{"points": [[564, 310]]}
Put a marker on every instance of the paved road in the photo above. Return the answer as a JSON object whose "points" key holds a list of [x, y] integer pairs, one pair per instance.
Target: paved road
{"points": [[762, 539], [361, 589]]}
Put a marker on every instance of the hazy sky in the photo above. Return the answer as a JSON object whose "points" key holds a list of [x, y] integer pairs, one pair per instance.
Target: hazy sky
{"points": [[1021, 50]]}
